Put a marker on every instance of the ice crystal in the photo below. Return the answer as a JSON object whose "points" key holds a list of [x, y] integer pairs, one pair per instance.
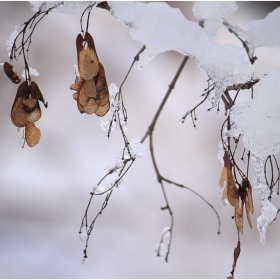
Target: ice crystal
{"points": [[11, 40], [259, 185], [114, 116], [269, 212], [115, 166], [32, 71], [136, 150], [100, 189], [113, 89], [161, 250]]}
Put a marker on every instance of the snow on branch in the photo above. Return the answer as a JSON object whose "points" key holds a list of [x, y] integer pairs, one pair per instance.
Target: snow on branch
{"points": [[162, 28], [261, 131], [212, 14], [263, 33]]}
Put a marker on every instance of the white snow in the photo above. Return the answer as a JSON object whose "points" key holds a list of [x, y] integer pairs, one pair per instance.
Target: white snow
{"points": [[212, 13], [269, 212], [10, 41], [162, 28], [115, 166], [100, 189], [265, 32], [32, 72], [137, 149], [115, 106], [258, 119], [67, 7]]}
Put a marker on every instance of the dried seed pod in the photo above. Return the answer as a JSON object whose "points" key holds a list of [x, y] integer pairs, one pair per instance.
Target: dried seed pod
{"points": [[87, 57], [92, 94], [13, 76], [239, 218], [32, 135], [227, 179], [18, 114], [26, 111]]}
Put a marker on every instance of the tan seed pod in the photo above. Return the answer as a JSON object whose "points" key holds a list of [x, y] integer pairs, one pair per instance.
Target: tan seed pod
{"points": [[32, 135]]}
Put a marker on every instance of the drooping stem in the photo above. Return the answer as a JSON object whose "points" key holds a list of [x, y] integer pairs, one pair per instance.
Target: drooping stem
{"points": [[170, 88]]}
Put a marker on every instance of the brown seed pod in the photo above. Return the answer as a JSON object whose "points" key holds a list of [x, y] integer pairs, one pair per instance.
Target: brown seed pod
{"points": [[13, 76]]}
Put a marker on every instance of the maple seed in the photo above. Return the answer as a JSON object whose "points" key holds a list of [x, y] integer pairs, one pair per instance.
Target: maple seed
{"points": [[32, 135], [92, 94], [26, 111], [13, 76], [236, 254], [227, 182]]}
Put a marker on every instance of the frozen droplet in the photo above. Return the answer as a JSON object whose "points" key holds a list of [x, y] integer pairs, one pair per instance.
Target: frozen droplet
{"points": [[137, 149], [166, 232], [100, 189], [83, 233]]}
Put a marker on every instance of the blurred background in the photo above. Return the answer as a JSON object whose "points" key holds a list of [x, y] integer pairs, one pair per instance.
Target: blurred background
{"points": [[44, 190]]}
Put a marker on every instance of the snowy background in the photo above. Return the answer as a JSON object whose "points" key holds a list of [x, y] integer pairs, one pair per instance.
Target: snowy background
{"points": [[44, 190]]}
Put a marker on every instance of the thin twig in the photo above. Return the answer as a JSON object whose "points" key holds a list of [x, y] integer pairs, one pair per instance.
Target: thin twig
{"points": [[210, 205]]}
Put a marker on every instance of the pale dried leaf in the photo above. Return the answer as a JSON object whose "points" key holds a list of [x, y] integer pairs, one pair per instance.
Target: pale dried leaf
{"points": [[87, 58], [81, 108], [239, 218], [236, 254], [78, 83], [35, 115], [223, 178], [102, 110], [232, 191], [75, 96], [18, 114], [248, 210], [91, 107], [30, 104], [32, 135], [250, 198]]}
